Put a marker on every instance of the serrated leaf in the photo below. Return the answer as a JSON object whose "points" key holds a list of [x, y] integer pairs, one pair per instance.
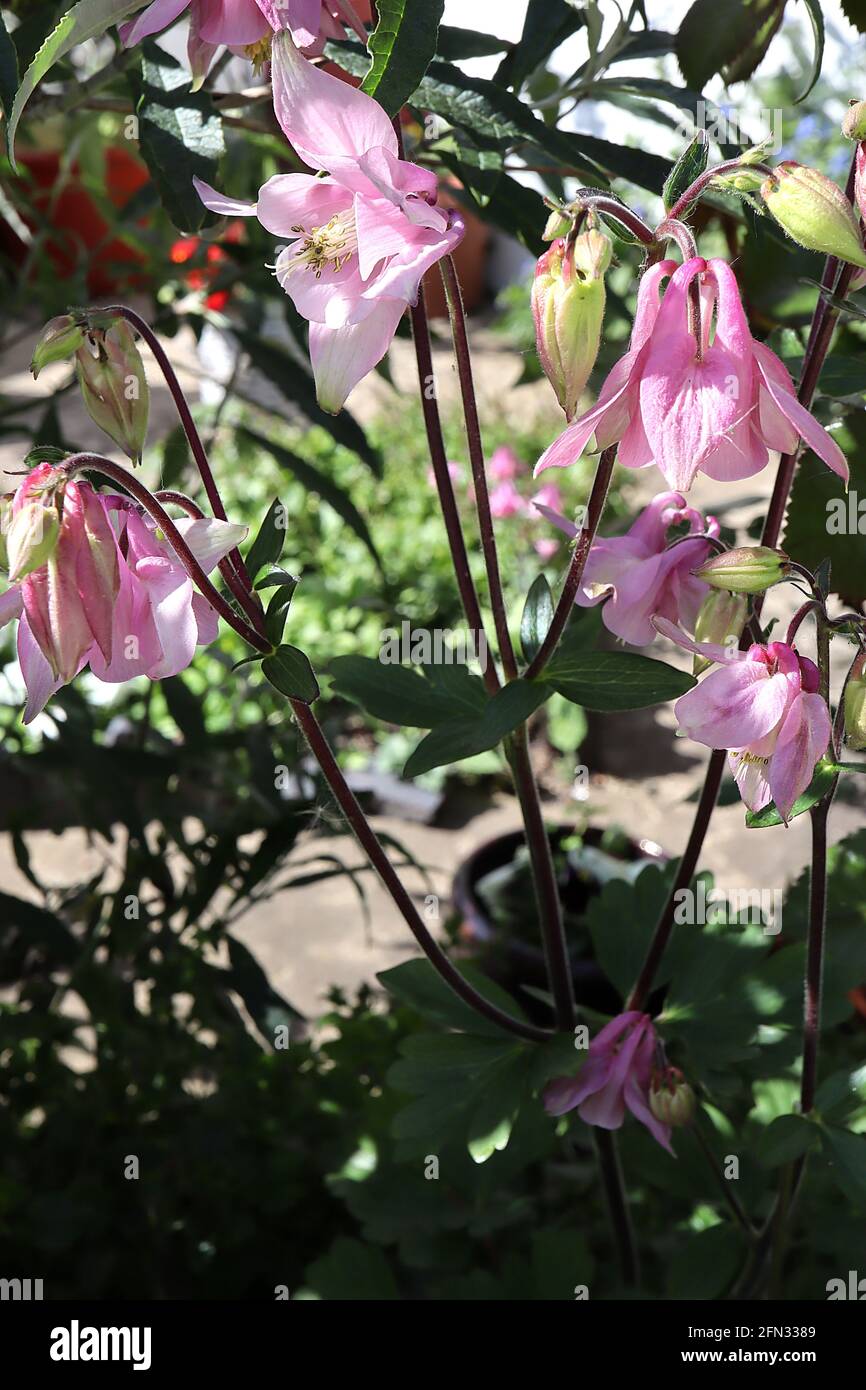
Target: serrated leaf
{"points": [[8, 70], [401, 46], [85, 20], [180, 135], [290, 672], [690, 165]]}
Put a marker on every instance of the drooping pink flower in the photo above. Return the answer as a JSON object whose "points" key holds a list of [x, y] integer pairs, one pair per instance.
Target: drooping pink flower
{"points": [[545, 548], [504, 465], [360, 237], [505, 500], [763, 706], [719, 407], [237, 24], [642, 574], [548, 495], [112, 595], [615, 1077], [455, 473]]}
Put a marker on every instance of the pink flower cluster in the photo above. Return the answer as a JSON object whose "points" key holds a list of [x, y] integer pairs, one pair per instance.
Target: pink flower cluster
{"points": [[112, 595], [717, 403]]}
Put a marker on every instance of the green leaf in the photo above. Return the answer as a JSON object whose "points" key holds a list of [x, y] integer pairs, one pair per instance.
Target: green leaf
{"points": [[503, 1088], [418, 985], [561, 1260], [297, 386], [8, 70], [402, 45], [289, 670], [537, 617], [846, 1154], [180, 135], [85, 20], [350, 1271], [547, 24], [397, 694], [614, 680], [787, 1138], [276, 579], [704, 1263], [464, 738], [816, 19], [270, 538], [455, 43], [278, 611], [317, 482], [690, 165], [185, 709], [826, 773], [725, 36]]}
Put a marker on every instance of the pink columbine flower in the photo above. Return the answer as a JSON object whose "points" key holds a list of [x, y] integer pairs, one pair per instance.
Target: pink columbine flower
{"points": [[719, 408], [504, 465], [505, 500], [112, 595], [641, 574], [361, 237], [763, 706], [615, 1076], [236, 23]]}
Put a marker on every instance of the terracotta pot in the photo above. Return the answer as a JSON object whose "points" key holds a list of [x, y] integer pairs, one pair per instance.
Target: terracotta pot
{"points": [[82, 232]]}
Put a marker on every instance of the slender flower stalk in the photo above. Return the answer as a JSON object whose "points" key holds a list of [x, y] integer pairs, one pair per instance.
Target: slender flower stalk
{"points": [[476, 458], [143, 328], [577, 565]]}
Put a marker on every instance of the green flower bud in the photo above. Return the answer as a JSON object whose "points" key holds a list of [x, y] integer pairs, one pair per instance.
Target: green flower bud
{"points": [[671, 1098], [556, 225], [854, 122], [748, 569], [855, 707], [814, 212], [721, 619], [568, 308], [114, 386], [61, 338], [32, 537]]}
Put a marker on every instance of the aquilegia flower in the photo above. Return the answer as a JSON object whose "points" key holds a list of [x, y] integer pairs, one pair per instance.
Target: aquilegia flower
{"points": [[239, 24], [763, 706], [109, 591], [615, 1076], [642, 574], [360, 237], [719, 406]]}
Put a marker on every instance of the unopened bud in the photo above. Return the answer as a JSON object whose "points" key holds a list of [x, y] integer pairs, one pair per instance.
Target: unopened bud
{"points": [[557, 224], [60, 340], [814, 211], [32, 537], [748, 569], [114, 387], [568, 308], [855, 707], [854, 121], [721, 619], [671, 1098]]}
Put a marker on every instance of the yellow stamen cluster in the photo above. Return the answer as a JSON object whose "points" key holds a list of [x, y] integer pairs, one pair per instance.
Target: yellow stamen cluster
{"points": [[330, 245], [259, 53]]}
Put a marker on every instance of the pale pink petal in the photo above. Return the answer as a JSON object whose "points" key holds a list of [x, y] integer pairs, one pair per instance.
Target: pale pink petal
{"points": [[802, 740], [814, 435], [713, 650], [36, 673], [636, 1101], [647, 308], [305, 17], [235, 23], [733, 706], [400, 275], [342, 357], [320, 115], [156, 17], [290, 204], [219, 203], [749, 770], [333, 297], [11, 605], [209, 539]]}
